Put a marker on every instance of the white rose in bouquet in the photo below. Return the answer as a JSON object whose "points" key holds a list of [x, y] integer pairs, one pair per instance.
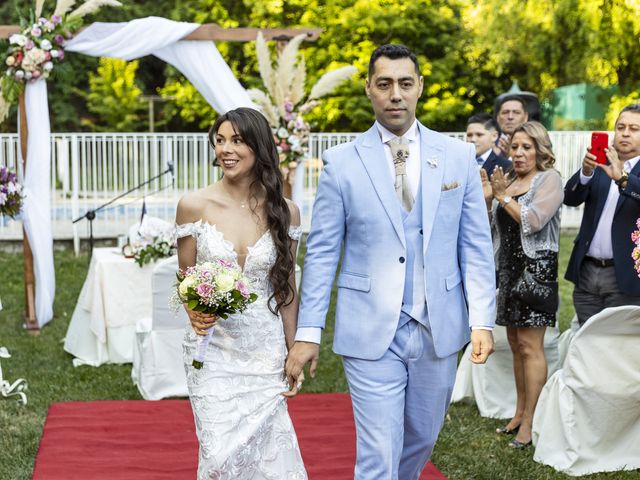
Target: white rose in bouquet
{"points": [[225, 282]]}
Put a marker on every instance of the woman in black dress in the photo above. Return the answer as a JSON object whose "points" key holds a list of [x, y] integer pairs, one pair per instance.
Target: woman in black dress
{"points": [[525, 209]]}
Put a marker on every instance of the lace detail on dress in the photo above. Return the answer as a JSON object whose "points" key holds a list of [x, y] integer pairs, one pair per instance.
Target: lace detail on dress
{"points": [[241, 417], [186, 229], [295, 232]]}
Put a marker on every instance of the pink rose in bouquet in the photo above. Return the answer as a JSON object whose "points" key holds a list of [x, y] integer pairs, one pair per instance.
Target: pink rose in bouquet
{"points": [[217, 288]]}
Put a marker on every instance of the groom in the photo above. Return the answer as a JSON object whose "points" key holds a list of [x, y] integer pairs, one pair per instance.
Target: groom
{"points": [[417, 276]]}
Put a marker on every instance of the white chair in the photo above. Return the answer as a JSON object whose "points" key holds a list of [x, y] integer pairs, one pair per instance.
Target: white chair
{"points": [[588, 416], [492, 386], [158, 367], [149, 228]]}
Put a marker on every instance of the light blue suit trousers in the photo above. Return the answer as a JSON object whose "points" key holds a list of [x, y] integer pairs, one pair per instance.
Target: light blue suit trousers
{"points": [[394, 443]]}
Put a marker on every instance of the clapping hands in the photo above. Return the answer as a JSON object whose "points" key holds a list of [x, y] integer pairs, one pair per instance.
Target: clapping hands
{"points": [[487, 190]]}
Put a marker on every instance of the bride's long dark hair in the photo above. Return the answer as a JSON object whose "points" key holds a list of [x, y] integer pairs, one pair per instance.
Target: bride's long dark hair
{"points": [[255, 131]]}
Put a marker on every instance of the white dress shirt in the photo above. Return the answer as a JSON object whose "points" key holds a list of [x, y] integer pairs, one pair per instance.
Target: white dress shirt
{"points": [[484, 157], [601, 245]]}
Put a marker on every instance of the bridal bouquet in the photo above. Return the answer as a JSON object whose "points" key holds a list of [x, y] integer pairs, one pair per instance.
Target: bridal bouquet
{"points": [[217, 288], [10, 193], [635, 254]]}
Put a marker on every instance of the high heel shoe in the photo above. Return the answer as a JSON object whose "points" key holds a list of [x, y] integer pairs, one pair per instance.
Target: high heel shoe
{"points": [[518, 445], [507, 431]]}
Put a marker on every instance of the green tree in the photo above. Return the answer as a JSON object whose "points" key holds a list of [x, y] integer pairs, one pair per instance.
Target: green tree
{"points": [[352, 30], [114, 97], [545, 44]]}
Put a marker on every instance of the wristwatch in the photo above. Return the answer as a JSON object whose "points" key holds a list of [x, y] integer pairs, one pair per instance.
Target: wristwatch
{"points": [[506, 199], [624, 178]]}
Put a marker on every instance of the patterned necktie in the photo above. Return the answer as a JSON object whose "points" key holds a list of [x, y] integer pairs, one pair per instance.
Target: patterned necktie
{"points": [[400, 153], [480, 161]]}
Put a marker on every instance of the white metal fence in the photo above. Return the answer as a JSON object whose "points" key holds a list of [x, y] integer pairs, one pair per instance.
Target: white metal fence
{"points": [[89, 169]]}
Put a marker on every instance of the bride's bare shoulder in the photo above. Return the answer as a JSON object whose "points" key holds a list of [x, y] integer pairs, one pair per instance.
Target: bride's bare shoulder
{"points": [[193, 205]]}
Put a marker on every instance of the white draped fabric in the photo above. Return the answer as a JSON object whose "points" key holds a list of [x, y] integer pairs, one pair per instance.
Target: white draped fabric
{"points": [[36, 211], [199, 61]]}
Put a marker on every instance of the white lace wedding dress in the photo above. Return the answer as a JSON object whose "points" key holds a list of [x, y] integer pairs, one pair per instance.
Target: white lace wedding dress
{"points": [[241, 417]]}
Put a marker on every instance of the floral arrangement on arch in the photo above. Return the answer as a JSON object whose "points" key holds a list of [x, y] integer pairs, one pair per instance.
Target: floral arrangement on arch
{"points": [[10, 193], [284, 103], [635, 254], [39, 47]]}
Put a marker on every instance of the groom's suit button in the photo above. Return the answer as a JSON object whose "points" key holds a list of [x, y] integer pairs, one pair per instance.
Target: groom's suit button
{"points": [[401, 259]]}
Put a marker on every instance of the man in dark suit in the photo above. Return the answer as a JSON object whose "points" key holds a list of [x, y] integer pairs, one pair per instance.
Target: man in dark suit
{"points": [[483, 133], [601, 266]]}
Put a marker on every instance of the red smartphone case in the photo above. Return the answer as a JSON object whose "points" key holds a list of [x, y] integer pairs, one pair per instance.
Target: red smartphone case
{"points": [[600, 141]]}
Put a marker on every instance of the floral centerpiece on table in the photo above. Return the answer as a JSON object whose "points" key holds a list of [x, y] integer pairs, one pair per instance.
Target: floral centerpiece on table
{"points": [[218, 288], [635, 254], [151, 249], [10, 193], [39, 47], [284, 101]]}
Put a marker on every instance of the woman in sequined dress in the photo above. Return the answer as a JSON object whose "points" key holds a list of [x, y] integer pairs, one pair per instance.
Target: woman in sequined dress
{"points": [[525, 209]]}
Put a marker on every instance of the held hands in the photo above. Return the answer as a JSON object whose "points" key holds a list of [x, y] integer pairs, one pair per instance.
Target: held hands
{"points": [[201, 322], [300, 354], [481, 345]]}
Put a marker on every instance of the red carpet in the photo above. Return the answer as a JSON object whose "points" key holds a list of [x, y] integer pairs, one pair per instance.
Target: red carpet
{"points": [[139, 440]]}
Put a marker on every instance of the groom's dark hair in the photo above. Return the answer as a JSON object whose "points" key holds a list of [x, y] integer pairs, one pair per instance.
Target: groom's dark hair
{"points": [[394, 52]]}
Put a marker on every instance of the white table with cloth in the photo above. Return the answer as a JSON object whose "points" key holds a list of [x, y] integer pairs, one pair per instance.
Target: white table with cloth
{"points": [[115, 295]]}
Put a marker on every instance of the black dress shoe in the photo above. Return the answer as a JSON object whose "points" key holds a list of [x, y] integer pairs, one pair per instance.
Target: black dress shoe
{"points": [[518, 445], [507, 431]]}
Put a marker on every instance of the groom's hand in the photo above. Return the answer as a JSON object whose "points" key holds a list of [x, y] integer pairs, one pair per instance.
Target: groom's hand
{"points": [[481, 345], [300, 354]]}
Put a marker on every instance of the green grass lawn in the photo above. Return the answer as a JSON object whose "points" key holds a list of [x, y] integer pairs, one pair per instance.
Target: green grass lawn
{"points": [[467, 447]]}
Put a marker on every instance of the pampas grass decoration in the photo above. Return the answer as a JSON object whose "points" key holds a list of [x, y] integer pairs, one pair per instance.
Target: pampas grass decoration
{"points": [[38, 9], [264, 64], [299, 79], [92, 6], [262, 100], [63, 6], [330, 81], [287, 63]]}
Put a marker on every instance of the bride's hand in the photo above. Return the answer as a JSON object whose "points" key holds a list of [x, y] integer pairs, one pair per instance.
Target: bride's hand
{"points": [[294, 388], [201, 322]]}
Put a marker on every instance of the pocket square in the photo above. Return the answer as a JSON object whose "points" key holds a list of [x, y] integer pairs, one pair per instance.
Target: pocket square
{"points": [[450, 186]]}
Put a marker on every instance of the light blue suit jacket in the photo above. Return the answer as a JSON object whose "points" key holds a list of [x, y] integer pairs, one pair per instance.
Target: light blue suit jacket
{"points": [[356, 208]]}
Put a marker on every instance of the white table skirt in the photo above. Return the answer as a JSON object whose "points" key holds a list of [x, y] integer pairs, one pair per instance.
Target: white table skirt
{"points": [[115, 295]]}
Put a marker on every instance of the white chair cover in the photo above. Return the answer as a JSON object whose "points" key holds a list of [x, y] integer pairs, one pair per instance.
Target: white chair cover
{"points": [[588, 415], [492, 386], [149, 228], [158, 368]]}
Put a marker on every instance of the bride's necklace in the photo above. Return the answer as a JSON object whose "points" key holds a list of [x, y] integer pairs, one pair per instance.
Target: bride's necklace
{"points": [[242, 203]]}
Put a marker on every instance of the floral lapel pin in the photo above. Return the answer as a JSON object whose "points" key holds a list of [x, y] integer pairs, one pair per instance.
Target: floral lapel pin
{"points": [[432, 162]]}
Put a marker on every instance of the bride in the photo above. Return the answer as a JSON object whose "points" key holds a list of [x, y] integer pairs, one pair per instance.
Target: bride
{"points": [[238, 397]]}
